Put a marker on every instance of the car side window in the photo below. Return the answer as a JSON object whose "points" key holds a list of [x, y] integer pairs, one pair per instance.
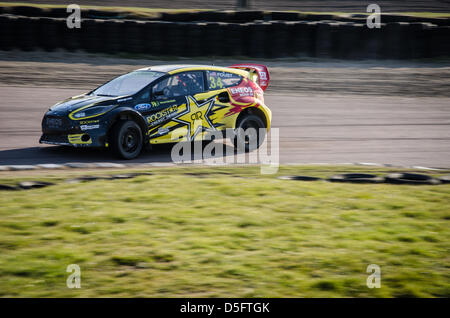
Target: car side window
{"points": [[219, 80], [145, 96], [182, 84]]}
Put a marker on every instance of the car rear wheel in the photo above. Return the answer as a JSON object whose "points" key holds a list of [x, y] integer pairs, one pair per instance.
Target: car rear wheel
{"points": [[127, 140], [249, 134]]}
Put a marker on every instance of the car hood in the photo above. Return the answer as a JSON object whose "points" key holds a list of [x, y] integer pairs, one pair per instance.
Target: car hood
{"points": [[76, 102]]}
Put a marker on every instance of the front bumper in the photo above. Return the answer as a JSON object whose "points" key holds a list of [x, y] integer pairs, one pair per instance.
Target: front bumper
{"points": [[76, 140], [58, 130]]}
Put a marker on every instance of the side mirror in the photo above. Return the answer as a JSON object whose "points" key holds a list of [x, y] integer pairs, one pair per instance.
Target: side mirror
{"points": [[223, 97], [158, 93]]}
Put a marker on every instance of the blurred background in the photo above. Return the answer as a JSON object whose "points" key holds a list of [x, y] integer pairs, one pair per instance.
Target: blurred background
{"points": [[326, 29]]}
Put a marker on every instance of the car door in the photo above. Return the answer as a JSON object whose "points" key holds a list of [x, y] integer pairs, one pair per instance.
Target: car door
{"points": [[176, 108], [219, 84]]}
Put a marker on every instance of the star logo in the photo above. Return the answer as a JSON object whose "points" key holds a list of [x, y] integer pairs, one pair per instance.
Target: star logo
{"points": [[196, 117]]}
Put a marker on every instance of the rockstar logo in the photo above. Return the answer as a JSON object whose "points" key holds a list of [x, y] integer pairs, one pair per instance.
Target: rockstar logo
{"points": [[196, 117]]}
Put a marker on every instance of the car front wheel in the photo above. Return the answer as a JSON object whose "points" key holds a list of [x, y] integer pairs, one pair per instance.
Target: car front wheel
{"points": [[127, 140]]}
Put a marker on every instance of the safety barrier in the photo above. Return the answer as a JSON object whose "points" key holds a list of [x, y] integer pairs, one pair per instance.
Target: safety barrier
{"points": [[361, 178], [228, 16], [260, 39]]}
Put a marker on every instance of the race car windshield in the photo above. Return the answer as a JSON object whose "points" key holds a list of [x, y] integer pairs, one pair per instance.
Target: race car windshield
{"points": [[127, 84]]}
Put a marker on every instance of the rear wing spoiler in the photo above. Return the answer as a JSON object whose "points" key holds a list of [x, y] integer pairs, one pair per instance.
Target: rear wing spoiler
{"points": [[259, 73]]}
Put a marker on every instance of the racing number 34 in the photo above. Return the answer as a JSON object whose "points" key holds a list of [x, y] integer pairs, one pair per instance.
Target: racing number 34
{"points": [[213, 83]]}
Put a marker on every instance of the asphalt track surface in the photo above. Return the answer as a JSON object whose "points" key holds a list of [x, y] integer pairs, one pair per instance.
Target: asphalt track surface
{"points": [[387, 112], [313, 129]]}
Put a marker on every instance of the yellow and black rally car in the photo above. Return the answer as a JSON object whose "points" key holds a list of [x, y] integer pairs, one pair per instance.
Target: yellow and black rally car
{"points": [[162, 104]]}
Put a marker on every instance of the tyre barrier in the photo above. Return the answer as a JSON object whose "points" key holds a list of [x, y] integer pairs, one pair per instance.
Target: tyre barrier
{"points": [[444, 179], [256, 45], [194, 44], [212, 37], [263, 39], [246, 16], [394, 178], [277, 38], [302, 39], [6, 36], [28, 185], [132, 43], [233, 40], [27, 11], [25, 33], [107, 177], [348, 35], [90, 39], [174, 37], [356, 178], [50, 33], [87, 179], [153, 38], [325, 39], [98, 14], [8, 187], [111, 42], [229, 16], [299, 178], [60, 13], [410, 178]]}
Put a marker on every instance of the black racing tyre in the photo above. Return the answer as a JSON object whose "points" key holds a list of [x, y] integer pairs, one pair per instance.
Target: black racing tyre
{"points": [[410, 178], [26, 185], [8, 187], [356, 178], [299, 178], [127, 139], [249, 133], [445, 179]]}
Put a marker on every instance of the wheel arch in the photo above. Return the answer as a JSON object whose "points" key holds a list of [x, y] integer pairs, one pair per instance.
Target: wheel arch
{"points": [[257, 111], [128, 114]]}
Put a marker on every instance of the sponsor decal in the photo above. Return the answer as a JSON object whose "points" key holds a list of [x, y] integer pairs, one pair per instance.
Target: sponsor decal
{"points": [[167, 101], [242, 91], [87, 122], [153, 104], [196, 117], [221, 74], [143, 107], [89, 127], [163, 115], [163, 131], [262, 75]]}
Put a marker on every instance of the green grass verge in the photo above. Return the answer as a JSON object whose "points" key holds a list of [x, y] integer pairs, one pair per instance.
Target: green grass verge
{"points": [[223, 232]]}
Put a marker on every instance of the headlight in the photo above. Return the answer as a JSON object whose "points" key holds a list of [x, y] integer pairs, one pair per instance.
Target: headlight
{"points": [[90, 112]]}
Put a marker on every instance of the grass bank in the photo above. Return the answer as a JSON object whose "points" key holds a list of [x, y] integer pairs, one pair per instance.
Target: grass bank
{"points": [[223, 232]]}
